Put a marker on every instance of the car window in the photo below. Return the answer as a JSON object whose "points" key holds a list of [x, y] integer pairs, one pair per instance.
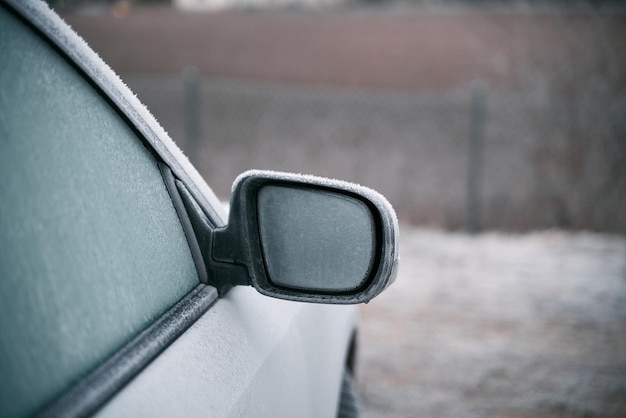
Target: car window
{"points": [[91, 249]]}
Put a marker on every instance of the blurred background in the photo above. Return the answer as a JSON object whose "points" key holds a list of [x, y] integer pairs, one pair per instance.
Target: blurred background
{"points": [[497, 129], [465, 114]]}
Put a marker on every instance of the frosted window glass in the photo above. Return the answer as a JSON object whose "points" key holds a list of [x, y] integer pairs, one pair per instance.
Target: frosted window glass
{"points": [[91, 249]]}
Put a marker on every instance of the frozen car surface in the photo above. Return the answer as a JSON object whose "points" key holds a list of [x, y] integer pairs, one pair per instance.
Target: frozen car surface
{"points": [[125, 291]]}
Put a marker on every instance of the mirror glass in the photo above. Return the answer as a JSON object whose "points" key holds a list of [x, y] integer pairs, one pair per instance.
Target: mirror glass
{"points": [[314, 239]]}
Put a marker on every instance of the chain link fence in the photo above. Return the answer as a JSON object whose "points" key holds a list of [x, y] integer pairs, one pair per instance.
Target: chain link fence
{"points": [[540, 143], [414, 147]]}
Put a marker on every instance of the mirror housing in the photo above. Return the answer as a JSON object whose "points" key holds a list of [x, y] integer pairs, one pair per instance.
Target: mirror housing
{"points": [[307, 239]]}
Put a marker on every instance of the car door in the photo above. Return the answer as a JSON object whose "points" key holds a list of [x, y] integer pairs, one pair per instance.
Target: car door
{"points": [[102, 307]]}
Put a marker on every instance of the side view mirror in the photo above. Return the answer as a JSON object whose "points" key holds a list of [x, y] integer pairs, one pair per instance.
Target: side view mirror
{"points": [[307, 238]]}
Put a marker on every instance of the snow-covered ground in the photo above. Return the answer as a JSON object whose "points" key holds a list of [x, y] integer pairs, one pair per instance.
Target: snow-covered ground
{"points": [[498, 325]]}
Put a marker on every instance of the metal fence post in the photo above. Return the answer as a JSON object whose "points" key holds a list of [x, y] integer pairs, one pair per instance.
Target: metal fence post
{"points": [[191, 112], [473, 210]]}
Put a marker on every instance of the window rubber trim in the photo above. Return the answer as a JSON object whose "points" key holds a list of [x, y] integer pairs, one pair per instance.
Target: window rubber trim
{"points": [[100, 385], [185, 221]]}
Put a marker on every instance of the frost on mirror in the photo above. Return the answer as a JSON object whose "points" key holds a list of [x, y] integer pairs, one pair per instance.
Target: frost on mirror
{"points": [[314, 239]]}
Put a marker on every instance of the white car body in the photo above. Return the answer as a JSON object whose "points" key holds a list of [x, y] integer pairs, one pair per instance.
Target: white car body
{"points": [[249, 355]]}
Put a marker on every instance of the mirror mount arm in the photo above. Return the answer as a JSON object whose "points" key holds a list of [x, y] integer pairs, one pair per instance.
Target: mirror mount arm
{"points": [[227, 263], [224, 269], [227, 252]]}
